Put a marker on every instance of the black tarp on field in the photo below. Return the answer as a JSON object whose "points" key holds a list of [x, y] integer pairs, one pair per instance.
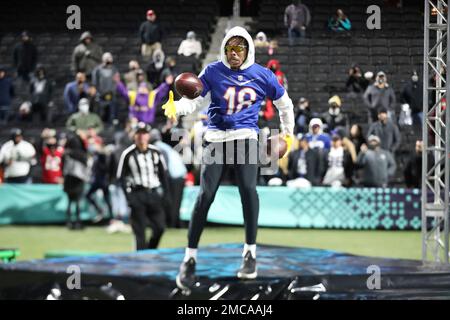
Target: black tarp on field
{"points": [[284, 273]]}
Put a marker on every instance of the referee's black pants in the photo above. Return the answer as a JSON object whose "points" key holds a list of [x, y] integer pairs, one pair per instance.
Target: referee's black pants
{"points": [[146, 209], [245, 164]]}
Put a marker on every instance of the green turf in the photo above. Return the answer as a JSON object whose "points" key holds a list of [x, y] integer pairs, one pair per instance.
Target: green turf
{"points": [[35, 241]]}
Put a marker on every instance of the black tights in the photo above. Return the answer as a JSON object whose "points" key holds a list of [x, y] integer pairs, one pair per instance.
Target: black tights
{"points": [[69, 211], [210, 176]]}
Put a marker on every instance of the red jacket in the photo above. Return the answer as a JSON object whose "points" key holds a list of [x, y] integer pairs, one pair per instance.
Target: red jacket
{"points": [[269, 111], [51, 165]]}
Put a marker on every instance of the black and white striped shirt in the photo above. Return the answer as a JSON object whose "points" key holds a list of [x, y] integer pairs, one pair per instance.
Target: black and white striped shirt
{"points": [[138, 169]]}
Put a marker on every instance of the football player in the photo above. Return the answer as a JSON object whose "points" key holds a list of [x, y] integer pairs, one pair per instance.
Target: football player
{"points": [[233, 89]]}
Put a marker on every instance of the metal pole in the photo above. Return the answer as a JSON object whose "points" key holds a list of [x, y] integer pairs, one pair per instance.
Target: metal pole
{"points": [[436, 124], [424, 129], [447, 150]]}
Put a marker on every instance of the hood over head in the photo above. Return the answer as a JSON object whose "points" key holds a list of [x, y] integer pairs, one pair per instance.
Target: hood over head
{"points": [[261, 36], [315, 121], [335, 99], [274, 63], [86, 35], [158, 58], [238, 32]]}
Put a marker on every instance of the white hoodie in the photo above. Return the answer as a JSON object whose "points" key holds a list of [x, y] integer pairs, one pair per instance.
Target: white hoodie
{"points": [[283, 104]]}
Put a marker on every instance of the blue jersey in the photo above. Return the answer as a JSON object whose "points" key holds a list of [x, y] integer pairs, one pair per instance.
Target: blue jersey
{"points": [[236, 95]]}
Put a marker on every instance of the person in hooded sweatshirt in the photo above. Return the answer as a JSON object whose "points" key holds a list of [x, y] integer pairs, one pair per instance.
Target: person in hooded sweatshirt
{"points": [[86, 55], [190, 46], [25, 56], [316, 137], [155, 68], [268, 111], [334, 118], [412, 95], [233, 89], [261, 40]]}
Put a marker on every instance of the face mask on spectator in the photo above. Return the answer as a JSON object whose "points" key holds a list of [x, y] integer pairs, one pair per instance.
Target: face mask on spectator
{"points": [[415, 78], [373, 145], [84, 108]]}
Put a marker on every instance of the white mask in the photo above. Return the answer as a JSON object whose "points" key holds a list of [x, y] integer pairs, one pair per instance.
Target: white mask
{"points": [[84, 108]]}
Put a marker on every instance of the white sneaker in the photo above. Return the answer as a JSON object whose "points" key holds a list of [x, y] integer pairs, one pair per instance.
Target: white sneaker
{"points": [[113, 226]]}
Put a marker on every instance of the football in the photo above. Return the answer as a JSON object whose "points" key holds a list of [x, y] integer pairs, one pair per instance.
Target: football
{"points": [[276, 146], [188, 85]]}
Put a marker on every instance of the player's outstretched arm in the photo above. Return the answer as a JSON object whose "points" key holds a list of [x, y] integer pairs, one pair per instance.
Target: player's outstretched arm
{"points": [[184, 106], [286, 111]]}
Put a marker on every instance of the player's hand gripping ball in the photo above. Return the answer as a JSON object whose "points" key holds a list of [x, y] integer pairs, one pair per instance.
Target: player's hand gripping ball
{"points": [[188, 85], [279, 146]]}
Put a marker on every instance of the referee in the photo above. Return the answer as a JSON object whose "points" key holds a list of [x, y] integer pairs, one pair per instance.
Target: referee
{"points": [[142, 172]]}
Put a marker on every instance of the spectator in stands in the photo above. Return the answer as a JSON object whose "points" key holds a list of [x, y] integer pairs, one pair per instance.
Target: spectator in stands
{"points": [[150, 33], [296, 19], [368, 75], [101, 177], [16, 157], [103, 80], [334, 118], [131, 77], [305, 165], [303, 116], [142, 103], [76, 174], [349, 147], [412, 96], [171, 68], [6, 95], [356, 83], [261, 40], [155, 67], [86, 55], [339, 22], [176, 174], [41, 90], [83, 119], [357, 137], [413, 167], [316, 137], [51, 161], [190, 46], [74, 91], [123, 138], [387, 131], [25, 56], [267, 113], [380, 95], [339, 164], [142, 80], [377, 165]]}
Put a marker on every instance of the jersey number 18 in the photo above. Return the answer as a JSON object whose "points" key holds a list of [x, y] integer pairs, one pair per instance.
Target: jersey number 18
{"points": [[245, 97]]}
